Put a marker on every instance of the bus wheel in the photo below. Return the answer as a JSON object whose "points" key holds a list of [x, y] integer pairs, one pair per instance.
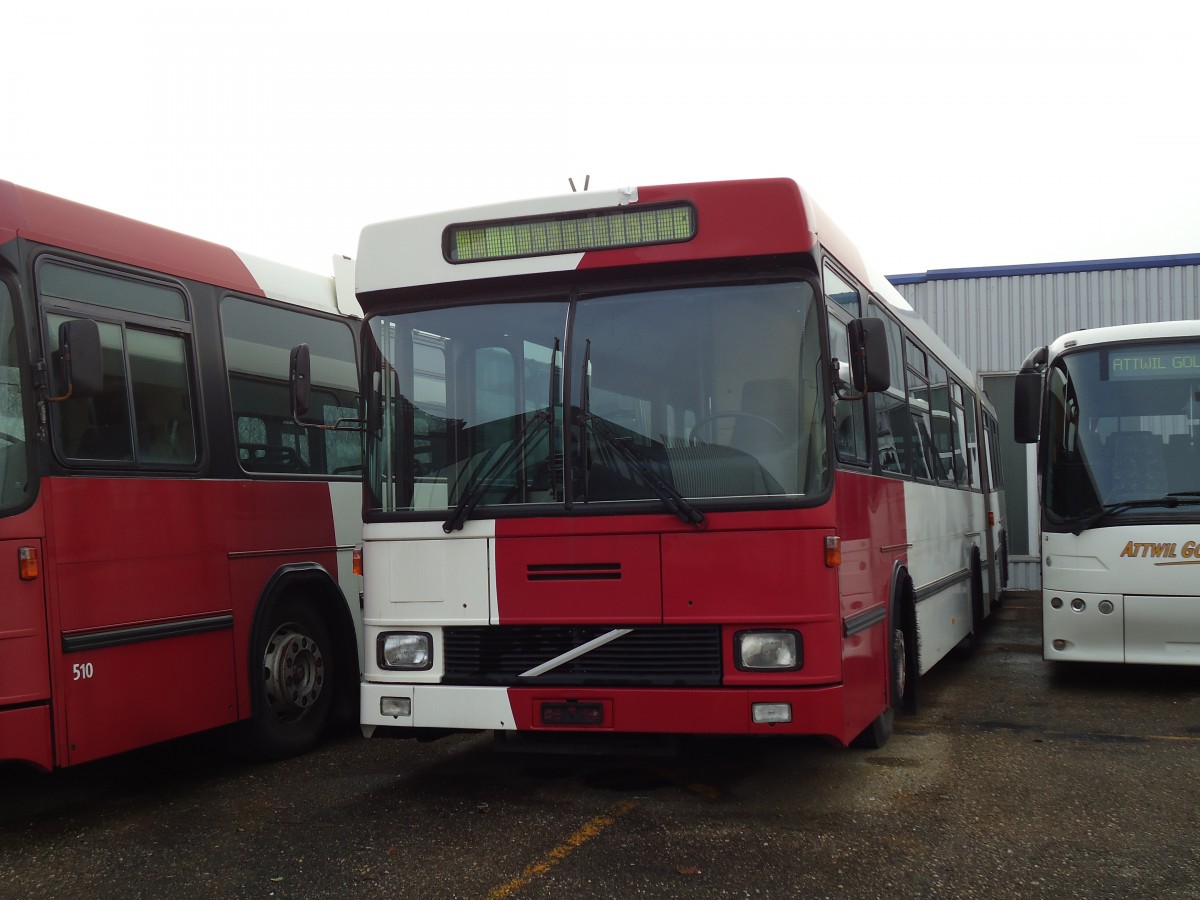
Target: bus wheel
{"points": [[904, 688], [1003, 560], [898, 660], [293, 682], [973, 640]]}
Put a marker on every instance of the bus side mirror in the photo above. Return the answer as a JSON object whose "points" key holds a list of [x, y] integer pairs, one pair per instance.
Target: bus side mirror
{"points": [[1027, 397], [870, 367], [80, 358], [1027, 407], [300, 380]]}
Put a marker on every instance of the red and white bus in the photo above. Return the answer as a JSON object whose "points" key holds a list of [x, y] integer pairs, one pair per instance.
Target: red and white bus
{"points": [[175, 551], [1116, 415], [622, 475]]}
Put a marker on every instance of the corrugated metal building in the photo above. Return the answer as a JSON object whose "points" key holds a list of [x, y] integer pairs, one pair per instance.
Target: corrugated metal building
{"points": [[993, 316]]}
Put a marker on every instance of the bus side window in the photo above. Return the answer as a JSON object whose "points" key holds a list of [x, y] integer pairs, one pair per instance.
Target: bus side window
{"points": [[158, 370], [942, 426], [258, 339], [974, 459], [891, 448], [849, 416], [995, 473], [95, 428], [1073, 482], [919, 400], [842, 293], [144, 414], [893, 429]]}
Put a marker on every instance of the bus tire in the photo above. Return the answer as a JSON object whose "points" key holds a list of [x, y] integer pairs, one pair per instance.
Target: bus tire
{"points": [[978, 613], [905, 698], [292, 680], [1003, 560]]}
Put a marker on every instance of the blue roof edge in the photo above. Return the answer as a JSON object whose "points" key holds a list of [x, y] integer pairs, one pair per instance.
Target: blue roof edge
{"points": [[1087, 265]]}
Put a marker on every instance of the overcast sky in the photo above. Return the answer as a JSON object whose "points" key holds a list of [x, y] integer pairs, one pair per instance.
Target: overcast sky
{"points": [[937, 134]]}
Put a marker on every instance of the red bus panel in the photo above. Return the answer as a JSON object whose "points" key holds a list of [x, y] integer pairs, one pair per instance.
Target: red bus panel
{"points": [[549, 580], [127, 696], [24, 667], [751, 577]]}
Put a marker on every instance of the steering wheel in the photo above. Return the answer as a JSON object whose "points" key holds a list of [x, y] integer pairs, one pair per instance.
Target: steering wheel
{"points": [[709, 419], [5, 436]]}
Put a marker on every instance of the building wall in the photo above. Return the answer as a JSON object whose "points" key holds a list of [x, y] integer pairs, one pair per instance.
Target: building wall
{"points": [[992, 317]]}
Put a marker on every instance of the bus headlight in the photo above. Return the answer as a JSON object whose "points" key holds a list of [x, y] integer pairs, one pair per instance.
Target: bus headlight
{"points": [[777, 651], [409, 650]]}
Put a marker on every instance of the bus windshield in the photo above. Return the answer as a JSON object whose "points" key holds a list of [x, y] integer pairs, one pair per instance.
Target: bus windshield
{"points": [[1121, 431], [14, 480], [593, 398]]}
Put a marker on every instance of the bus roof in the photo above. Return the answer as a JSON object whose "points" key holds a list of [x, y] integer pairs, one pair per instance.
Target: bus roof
{"points": [[57, 222], [1114, 334]]}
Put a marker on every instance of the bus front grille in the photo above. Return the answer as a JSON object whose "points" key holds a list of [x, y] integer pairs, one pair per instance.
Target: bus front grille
{"points": [[648, 656]]}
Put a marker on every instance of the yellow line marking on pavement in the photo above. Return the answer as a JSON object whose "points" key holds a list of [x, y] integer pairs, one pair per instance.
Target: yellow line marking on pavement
{"points": [[590, 829], [707, 791], [1173, 737]]}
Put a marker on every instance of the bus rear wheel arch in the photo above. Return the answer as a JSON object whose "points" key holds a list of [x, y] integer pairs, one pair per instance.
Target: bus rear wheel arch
{"points": [[302, 668]]}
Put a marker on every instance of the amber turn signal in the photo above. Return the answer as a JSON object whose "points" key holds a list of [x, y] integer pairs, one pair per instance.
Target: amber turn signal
{"points": [[28, 566]]}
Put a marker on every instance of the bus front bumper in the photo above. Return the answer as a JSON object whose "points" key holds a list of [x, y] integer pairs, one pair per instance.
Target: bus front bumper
{"points": [[811, 710]]}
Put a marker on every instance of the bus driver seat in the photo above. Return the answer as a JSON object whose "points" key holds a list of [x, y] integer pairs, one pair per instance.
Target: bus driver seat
{"points": [[768, 430]]}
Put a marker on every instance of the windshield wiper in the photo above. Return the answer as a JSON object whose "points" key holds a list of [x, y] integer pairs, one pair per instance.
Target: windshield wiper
{"points": [[671, 498], [1170, 501], [480, 486], [624, 447]]}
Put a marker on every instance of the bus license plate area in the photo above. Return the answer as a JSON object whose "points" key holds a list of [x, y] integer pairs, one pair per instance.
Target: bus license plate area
{"points": [[575, 713]]}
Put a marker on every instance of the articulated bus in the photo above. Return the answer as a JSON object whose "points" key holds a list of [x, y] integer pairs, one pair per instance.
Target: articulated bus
{"points": [[660, 460], [1115, 413], [175, 550]]}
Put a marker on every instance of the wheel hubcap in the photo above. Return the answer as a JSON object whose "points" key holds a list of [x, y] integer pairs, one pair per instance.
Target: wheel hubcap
{"points": [[293, 672], [899, 662]]}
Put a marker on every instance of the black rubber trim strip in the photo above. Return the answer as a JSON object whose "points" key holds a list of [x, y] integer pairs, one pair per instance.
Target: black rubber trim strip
{"points": [[864, 620], [936, 587], [95, 640]]}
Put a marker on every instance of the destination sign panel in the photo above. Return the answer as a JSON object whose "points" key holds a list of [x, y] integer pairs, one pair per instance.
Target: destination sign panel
{"points": [[1151, 362]]}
